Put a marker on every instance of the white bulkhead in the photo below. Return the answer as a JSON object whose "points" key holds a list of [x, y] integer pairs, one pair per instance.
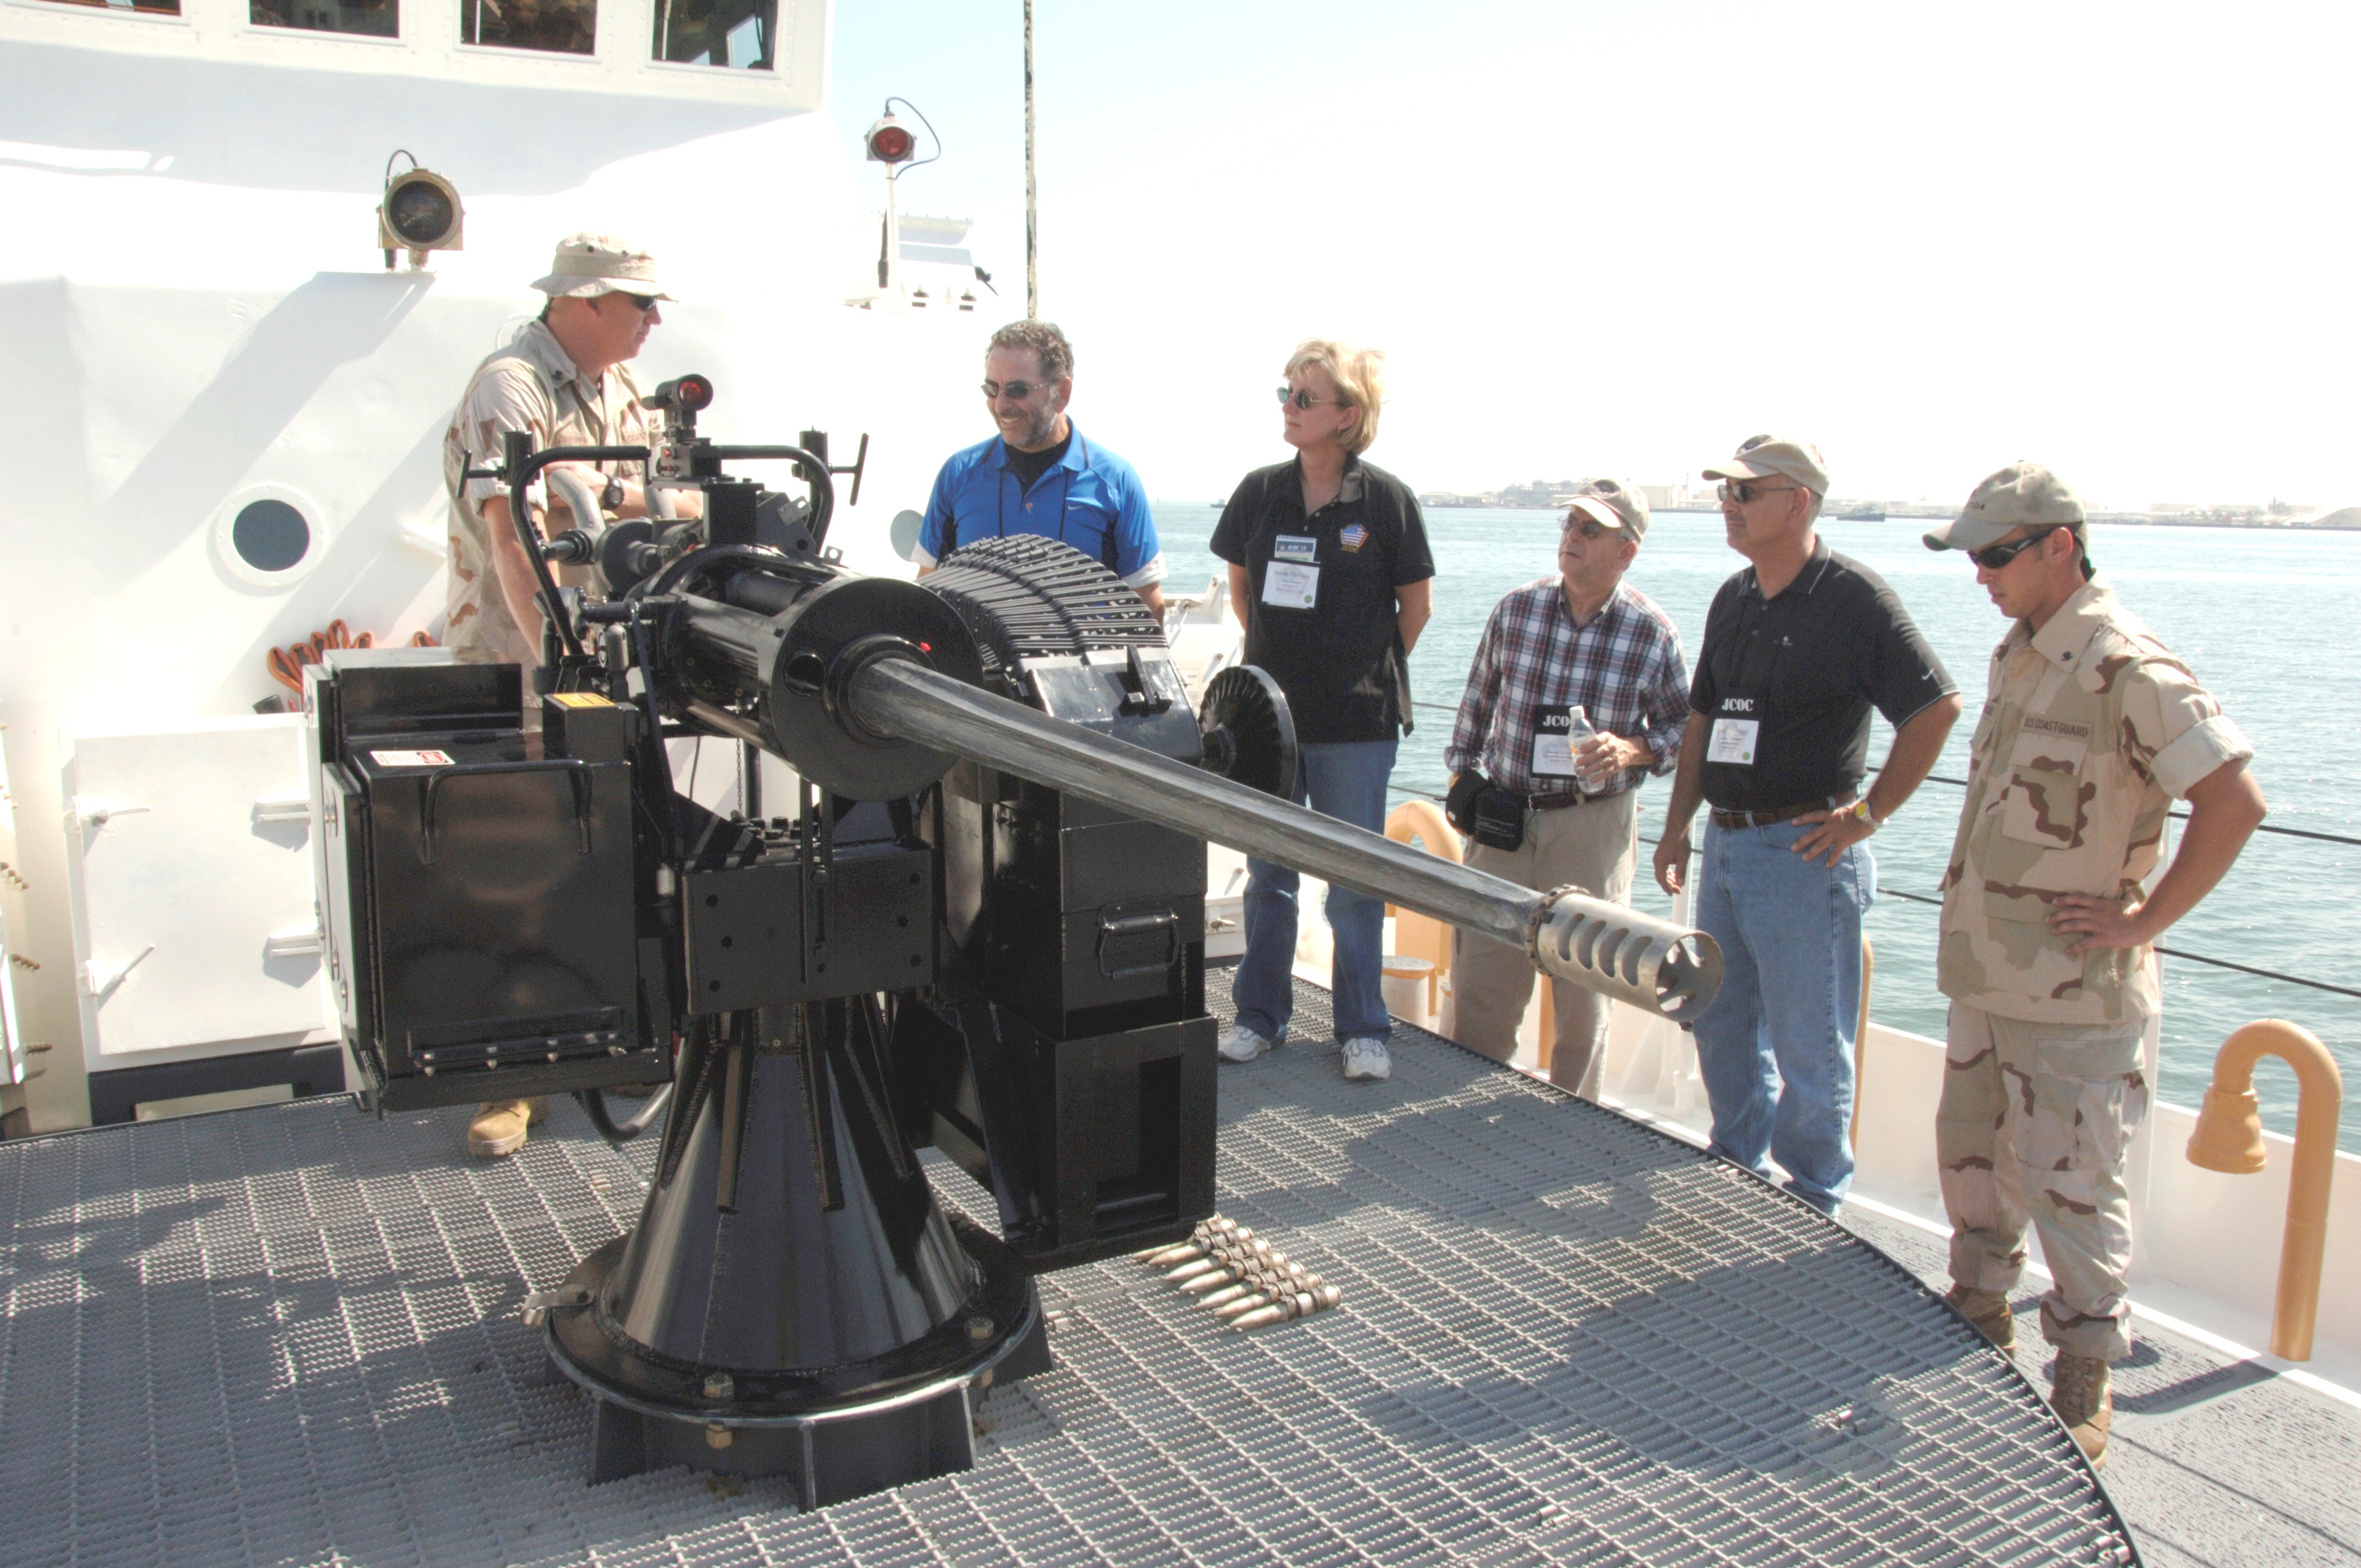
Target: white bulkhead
{"points": [[228, 415]]}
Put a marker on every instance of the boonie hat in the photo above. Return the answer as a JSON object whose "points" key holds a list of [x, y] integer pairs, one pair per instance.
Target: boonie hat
{"points": [[1614, 504], [587, 265], [1790, 456], [2023, 494]]}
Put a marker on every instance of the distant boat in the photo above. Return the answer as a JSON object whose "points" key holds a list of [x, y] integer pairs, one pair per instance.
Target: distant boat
{"points": [[1863, 514]]}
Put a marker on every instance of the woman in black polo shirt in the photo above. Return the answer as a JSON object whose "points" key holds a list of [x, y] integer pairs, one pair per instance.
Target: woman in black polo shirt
{"points": [[1330, 572]]}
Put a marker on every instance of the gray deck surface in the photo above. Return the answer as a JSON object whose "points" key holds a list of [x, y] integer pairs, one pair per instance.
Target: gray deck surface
{"points": [[2213, 1460], [289, 1335]]}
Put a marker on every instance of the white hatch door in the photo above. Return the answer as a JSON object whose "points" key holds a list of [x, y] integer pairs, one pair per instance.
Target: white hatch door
{"points": [[195, 920]]}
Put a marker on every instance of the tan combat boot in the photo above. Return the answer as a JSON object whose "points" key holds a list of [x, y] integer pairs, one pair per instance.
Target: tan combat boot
{"points": [[1988, 1309], [2081, 1395], [500, 1126]]}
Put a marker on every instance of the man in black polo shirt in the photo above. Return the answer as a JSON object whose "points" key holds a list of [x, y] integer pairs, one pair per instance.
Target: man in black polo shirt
{"points": [[1799, 648]]}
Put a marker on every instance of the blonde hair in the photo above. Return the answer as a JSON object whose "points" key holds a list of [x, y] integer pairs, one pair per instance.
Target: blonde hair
{"points": [[1360, 377]]}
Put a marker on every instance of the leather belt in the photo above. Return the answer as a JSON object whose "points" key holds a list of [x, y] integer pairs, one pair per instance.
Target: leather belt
{"points": [[1558, 802], [1782, 813]]}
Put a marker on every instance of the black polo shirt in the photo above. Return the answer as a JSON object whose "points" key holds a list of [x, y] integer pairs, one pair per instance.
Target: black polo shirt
{"points": [[1804, 670], [1340, 661]]}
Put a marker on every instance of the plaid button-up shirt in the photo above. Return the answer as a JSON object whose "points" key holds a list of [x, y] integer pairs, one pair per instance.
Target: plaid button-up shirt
{"points": [[1624, 667]]}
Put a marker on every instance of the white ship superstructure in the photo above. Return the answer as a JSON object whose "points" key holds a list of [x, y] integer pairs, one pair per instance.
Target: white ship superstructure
{"points": [[231, 411]]}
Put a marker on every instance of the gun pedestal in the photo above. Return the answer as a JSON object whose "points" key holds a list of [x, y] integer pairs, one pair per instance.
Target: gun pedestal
{"points": [[793, 1301]]}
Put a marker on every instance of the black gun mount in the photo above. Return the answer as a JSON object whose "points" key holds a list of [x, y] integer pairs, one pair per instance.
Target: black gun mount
{"points": [[981, 928]]}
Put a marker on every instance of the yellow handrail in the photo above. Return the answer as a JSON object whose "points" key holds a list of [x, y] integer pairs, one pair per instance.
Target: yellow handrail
{"points": [[2229, 1137]]}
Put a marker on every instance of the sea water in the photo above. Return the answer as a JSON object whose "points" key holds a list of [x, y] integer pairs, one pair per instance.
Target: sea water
{"points": [[2270, 619]]}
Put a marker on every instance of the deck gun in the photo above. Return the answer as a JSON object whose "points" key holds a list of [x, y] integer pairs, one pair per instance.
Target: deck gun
{"points": [[980, 927]]}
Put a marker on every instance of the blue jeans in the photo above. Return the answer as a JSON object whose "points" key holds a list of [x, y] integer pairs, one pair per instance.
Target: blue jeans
{"points": [[1347, 780], [1775, 1049]]}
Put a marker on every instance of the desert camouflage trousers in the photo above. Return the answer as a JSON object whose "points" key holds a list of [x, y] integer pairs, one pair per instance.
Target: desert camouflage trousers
{"points": [[2032, 1124]]}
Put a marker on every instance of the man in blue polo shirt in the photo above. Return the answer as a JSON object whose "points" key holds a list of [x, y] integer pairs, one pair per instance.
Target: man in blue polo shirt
{"points": [[1040, 474]]}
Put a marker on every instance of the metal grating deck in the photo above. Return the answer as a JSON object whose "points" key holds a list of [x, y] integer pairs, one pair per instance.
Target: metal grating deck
{"points": [[289, 1335]]}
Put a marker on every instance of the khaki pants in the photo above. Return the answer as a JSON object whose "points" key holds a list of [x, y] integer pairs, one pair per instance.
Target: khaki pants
{"points": [[2032, 1124], [1590, 846]]}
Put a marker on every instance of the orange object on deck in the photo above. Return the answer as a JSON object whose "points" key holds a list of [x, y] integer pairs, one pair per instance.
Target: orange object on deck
{"points": [[2229, 1137], [1419, 936]]}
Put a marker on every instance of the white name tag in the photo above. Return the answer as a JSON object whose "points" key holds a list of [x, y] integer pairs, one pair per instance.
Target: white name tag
{"points": [[1295, 547], [1291, 586], [410, 758], [1556, 730], [1733, 742]]}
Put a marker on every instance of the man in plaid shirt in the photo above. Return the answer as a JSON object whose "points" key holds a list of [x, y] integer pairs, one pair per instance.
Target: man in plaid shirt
{"points": [[1581, 648]]}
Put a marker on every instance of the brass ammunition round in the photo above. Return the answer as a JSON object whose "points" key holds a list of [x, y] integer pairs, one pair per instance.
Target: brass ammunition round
{"points": [[1227, 1294], [1214, 1280], [1281, 1310]]}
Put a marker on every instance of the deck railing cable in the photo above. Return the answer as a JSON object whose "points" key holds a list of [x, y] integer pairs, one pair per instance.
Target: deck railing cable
{"points": [[1962, 784], [2168, 952]]}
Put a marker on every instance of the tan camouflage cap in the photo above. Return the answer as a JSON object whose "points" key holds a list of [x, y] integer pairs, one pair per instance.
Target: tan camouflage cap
{"points": [[1615, 504], [1790, 456], [591, 264], [2023, 494]]}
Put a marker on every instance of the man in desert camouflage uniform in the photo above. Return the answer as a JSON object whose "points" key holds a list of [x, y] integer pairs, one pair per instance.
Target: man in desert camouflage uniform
{"points": [[2091, 728], [562, 378]]}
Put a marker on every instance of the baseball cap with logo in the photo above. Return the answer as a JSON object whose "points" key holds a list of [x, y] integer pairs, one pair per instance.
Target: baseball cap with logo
{"points": [[1789, 456], [591, 264], [2023, 494], [1613, 504]]}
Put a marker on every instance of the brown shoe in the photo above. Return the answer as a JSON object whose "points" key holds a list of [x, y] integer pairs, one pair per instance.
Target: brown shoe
{"points": [[500, 1126], [2081, 1395], [1988, 1309]]}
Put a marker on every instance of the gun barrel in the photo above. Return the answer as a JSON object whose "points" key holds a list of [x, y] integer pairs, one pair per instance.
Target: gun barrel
{"points": [[1608, 948]]}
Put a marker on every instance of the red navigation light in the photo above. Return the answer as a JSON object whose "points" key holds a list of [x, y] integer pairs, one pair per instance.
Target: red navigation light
{"points": [[890, 141]]}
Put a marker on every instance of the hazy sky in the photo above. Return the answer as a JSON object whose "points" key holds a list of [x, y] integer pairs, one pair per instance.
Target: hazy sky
{"points": [[1600, 239]]}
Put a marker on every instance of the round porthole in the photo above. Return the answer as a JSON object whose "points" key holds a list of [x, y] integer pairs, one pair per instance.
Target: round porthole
{"points": [[269, 535], [904, 533]]}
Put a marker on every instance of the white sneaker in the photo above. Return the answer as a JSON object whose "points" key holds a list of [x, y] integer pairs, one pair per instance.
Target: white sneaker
{"points": [[1366, 1057], [1240, 1043]]}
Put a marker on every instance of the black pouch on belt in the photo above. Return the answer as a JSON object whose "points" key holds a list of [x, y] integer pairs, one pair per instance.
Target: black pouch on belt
{"points": [[1499, 820], [1459, 806]]}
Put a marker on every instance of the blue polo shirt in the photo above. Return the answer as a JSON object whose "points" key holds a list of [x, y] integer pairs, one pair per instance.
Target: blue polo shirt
{"points": [[1084, 499]]}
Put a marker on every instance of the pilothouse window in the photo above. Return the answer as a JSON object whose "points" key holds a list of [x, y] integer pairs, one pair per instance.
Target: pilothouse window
{"points": [[739, 34], [373, 19], [554, 27], [142, 7]]}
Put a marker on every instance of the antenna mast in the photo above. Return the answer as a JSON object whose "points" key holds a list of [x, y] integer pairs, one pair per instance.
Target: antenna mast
{"points": [[1032, 229]]}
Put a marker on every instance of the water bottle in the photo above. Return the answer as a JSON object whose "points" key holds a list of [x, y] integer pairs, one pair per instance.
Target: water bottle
{"points": [[1577, 731]]}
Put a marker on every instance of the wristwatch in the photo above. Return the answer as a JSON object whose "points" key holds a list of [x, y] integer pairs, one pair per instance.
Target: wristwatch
{"points": [[612, 497], [1861, 812]]}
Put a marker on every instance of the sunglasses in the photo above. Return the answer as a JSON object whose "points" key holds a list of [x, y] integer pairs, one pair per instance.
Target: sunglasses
{"points": [[1589, 528], [1992, 557], [1016, 391], [1745, 492], [645, 301], [1306, 400]]}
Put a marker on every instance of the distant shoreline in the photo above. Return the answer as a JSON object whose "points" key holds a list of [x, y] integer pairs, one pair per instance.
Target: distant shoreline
{"points": [[2128, 519]]}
